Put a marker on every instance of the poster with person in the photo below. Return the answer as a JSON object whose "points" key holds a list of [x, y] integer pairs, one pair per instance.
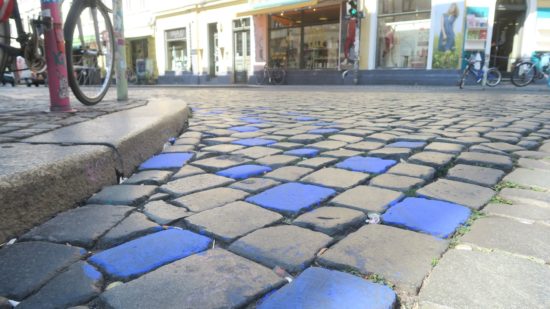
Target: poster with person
{"points": [[448, 25]]}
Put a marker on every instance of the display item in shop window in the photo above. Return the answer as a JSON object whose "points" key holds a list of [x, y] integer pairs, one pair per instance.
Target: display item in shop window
{"points": [[350, 39], [447, 34]]}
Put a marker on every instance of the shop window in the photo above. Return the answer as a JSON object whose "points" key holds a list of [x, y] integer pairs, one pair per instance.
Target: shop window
{"points": [[176, 50], [305, 39], [403, 33]]}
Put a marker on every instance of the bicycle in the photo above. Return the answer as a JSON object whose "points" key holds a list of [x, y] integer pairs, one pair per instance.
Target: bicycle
{"points": [[274, 75], [526, 72], [493, 74], [90, 57]]}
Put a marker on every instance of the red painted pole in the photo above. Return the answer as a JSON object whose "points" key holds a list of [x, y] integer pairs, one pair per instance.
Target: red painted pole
{"points": [[55, 58]]}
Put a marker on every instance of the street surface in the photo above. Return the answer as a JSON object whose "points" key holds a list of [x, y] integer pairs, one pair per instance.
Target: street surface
{"points": [[310, 197]]}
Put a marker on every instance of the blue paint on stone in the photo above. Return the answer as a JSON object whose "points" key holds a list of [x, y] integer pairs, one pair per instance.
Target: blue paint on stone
{"points": [[411, 145], [244, 171], [303, 152], [323, 131], [251, 120], [433, 217], [366, 164], [291, 197], [305, 118], [323, 123], [166, 161], [91, 272], [149, 252], [254, 142], [244, 129], [322, 288]]}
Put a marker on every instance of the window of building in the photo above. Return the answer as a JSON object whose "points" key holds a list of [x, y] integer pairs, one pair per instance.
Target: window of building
{"points": [[403, 33], [176, 50], [305, 39]]}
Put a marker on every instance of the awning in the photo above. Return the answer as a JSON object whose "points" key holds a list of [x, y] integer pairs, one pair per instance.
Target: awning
{"points": [[274, 6]]}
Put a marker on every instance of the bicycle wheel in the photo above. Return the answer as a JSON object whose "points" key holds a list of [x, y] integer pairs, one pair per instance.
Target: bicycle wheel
{"points": [[278, 76], [261, 78], [523, 74], [493, 77], [462, 80], [89, 43], [4, 39]]}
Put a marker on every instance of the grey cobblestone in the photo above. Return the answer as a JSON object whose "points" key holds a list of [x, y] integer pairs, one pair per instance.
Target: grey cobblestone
{"points": [[336, 178]]}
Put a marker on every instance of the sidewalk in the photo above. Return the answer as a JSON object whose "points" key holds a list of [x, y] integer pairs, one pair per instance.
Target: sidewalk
{"points": [[316, 197]]}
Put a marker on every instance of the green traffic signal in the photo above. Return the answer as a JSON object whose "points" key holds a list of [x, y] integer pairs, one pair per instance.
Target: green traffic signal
{"points": [[353, 8]]}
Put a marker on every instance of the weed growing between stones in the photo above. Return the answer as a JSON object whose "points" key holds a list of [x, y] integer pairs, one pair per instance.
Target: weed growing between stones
{"points": [[411, 192], [435, 261], [465, 228], [507, 184], [500, 200]]}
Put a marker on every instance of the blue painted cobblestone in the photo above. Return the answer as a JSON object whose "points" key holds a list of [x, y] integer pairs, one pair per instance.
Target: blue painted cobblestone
{"points": [[244, 129], [149, 252], [166, 161], [303, 152], [411, 145], [244, 171], [322, 288], [291, 197], [433, 217], [254, 142], [366, 164]]}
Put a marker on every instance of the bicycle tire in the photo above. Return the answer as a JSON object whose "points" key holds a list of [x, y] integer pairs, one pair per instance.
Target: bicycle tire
{"points": [[261, 78], [524, 73], [83, 67], [4, 39], [278, 76], [462, 80], [493, 77]]}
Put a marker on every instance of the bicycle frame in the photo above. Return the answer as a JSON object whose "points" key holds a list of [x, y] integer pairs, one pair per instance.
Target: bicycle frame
{"points": [[22, 36]]}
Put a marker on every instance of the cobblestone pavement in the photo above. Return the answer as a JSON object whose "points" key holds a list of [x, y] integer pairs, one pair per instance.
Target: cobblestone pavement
{"points": [[321, 197]]}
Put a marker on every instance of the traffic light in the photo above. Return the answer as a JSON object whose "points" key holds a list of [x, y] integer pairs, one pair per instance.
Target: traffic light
{"points": [[352, 4]]}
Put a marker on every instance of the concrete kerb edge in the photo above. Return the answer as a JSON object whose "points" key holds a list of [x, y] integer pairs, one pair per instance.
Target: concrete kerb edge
{"points": [[37, 194]]}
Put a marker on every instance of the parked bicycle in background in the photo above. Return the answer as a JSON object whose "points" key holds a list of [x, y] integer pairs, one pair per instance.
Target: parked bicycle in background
{"points": [[526, 72], [474, 72], [274, 75], [89, 44]]}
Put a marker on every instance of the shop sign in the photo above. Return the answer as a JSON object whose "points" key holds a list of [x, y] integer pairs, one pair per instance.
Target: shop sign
{"points": [[176, 34], [260, 4]]}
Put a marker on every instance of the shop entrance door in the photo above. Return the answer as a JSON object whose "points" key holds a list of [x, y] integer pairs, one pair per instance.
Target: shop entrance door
{"points": [[213, 66], [507, 34], [241, 43]]}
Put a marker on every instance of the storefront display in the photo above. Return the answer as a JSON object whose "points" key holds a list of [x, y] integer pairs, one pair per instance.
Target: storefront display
{"points": [[448, 25], [176, 47], [543, 29]]}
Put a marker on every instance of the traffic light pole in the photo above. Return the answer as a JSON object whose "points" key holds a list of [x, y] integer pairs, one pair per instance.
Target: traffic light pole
{"points": [[356, 48]]}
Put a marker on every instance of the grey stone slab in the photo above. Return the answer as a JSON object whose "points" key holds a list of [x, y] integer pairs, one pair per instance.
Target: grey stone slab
{"points": [[232, 220], [367, 199], [434, 159], [247, 134], [186, 171], [286, 145], [365, 146], [396, 182], [501, 137], [305, 138], [526, 197], [222, 148], [178, 148], [221, 162], [402, 257], [328, 145], [391, 153], [80, 226], [473, 279], [445, 147], [257, 152], [336, 178], [472, 140], [528, 144], [330, 220], [78, 285], [413, 170], [512, 236], [164, 213], [218, 140], [195, 183], [159, 196], [288, 173], [484, 159], [539, 155], [39, 186], [477, 175], [472, 196], [485, 149], [26, 266], [278, 138], [340, 153], [253, 185], [316, 163], [214, 279], [545, 147], [506, 147], [277, 161], [132, 195], [293, 250], [187, 141], [208, 199], [522, 212], [381, 137], [345, 138], [135, 225], [149, 178], [534, 164], [530, 178]]}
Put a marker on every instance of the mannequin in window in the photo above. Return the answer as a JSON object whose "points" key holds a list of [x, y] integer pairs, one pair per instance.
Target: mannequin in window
{"points": [[447, 34], [389, 43]]}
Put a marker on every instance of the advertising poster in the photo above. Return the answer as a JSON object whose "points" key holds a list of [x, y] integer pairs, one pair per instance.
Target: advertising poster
{"points": [[477, 27], [448, 25], [260, 26]]}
